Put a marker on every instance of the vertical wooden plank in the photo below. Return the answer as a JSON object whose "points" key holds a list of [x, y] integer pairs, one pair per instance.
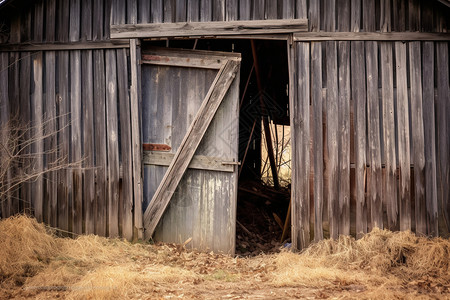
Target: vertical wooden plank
{"points": [[332, 138], [38, 26], [431, 196], [86, 20], [330, 16], [344, 119], [38, 145], [132, 11], [75, 141], [125, 135], [25, 118], [232, 10], [257, 9], [112, 138], [63, 107], [218, 10], [157, 11], [355, 15], [385, 16], [244, 9], [368, 9], [50, 21], [50, 143], [169, 8], [136, 143], [271, 11], [26, 24], [390, 180], [314, 16], [107, 18], [5, 198], [74, 32], [144, 11], [301, 10], [180, 11], [403, 136], [97, 20], [316, 99], [415, 72], [358, 74], [62, 27], [414, 15], [374, 139], [87, 99], [398, 15], [443, 121], [300, 204], [101, 195]]}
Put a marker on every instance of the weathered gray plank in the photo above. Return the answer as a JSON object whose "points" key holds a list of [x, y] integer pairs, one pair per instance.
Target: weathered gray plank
{"points": [[38, 26], [398, 15], [38, 134], [332, 138], [125, 143], [300, 203], [218, 10], [403, 137], [414, 15], [87, 100], [107, 18], [169, 8], [244, 9], [355, 15], [100, 143], [257, 9], [65, 46], [443, 127], [97, 20], [188, 146], [86, 20], [112, 138], [358, 74], [207, 28], [75, 142], [316, 99], [25, 118], [390, 180], [301, 10], [314, 16], [385, 16], [157, 11], [415, 72], [232, 10], [344, 136], [430, 138], [62, 23], [144, 11], [50, 20], [5, 197], [136, 142], [63, 108], [74, 26], [368, 15], [370, 36], [374, 179], [330, 16], [271, 11]]}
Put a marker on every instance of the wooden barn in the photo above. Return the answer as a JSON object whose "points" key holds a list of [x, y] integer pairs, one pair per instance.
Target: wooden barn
{"points": [[144, 113]]}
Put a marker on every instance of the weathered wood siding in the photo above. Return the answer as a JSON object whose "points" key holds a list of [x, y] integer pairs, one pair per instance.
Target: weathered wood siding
{"points": [[79, 103]]}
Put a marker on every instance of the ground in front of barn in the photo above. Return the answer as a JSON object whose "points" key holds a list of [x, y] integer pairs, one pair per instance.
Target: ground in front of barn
{"points": [[37, 264]]}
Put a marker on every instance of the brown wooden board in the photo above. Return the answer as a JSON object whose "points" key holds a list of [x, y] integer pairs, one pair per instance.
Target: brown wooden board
{"points": [[332, 138], [370, 36], [301, 130], [358, 74], [403, 137], [443, 127], [388, 112], [63, 109], [206, 28], [125, 145], [87, 100], [38, 134], [431, 196], [316, 102], [418, 142], [187, 148], [100, 206]]}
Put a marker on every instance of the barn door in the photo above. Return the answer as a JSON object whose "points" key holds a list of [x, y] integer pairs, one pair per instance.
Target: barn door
{"points": [[190, 135]]}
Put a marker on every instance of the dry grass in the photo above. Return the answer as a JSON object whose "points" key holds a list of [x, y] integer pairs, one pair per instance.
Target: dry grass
{"points": [[35, 263]]}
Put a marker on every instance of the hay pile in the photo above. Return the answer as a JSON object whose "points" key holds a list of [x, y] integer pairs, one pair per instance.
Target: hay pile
{"points": [[35, 263]]}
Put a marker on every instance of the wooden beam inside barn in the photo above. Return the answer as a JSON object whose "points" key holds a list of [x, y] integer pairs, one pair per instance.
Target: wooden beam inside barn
{"points": [[207, 28]]}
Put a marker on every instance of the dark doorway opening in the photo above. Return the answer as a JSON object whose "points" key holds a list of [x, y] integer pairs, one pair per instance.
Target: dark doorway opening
{"points": [[262, 217]]}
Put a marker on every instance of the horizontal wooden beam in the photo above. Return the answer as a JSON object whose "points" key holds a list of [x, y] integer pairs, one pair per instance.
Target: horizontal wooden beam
{"points": [[199, 162], [87, 45], [207, 28], [370, 36]]}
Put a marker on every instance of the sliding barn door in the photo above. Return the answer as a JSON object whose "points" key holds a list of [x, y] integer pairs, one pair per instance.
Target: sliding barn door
{"points": [[190, 135]]}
